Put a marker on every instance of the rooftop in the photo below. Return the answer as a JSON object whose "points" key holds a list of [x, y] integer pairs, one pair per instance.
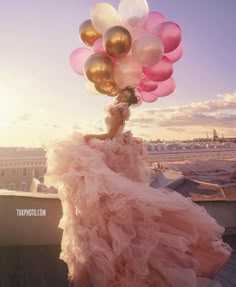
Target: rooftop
{"points": [[40, 266], [6, 152], [29, 254]]}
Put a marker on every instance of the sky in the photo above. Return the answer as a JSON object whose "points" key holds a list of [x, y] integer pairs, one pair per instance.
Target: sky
{"points": [[42, 99]]}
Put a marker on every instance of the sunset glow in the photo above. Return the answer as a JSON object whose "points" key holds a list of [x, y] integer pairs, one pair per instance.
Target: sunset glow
{"points": [[43, 99]]}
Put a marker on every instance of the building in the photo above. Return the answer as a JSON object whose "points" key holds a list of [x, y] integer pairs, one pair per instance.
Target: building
{"points": [[178, 151], [18, 167], [215, 135]]}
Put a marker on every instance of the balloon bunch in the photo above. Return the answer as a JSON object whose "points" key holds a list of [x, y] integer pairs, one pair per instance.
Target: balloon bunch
{"points": [[130, 47]]}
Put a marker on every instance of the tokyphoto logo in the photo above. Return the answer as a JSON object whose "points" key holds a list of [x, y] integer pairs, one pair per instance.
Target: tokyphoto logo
{"points": [[31, 212]]}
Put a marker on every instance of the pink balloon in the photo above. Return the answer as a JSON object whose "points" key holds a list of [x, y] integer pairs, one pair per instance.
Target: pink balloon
{"points": [[97, 46], [165, 88], [146, 96], [170, 34], [153, 20], [160, 71], [147, 85], [175, 55], [78, 58]]}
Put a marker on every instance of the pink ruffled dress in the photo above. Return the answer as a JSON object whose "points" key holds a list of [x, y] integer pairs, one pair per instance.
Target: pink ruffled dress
{"points": [[124, 232]]}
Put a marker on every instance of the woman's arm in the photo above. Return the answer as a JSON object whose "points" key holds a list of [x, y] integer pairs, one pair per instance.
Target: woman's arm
{"points": [[116, 122]]}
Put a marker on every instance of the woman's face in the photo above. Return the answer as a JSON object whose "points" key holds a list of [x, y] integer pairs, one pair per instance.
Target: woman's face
{"points": [[123, 97]]}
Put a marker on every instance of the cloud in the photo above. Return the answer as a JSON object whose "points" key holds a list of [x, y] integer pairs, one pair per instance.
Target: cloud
{"points": [[24, 117], [220, 112], [56, 126], [225, 121], [49, 125], [76, 127], [222, 103], [98, 128], [176, 129]]}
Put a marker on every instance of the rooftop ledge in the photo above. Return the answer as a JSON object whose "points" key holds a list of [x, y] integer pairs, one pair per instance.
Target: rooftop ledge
{"points": [[43, 229], [6, 192], [221, 196]]}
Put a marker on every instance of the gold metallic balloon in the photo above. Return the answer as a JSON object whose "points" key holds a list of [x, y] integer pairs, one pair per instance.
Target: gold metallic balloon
{"points": [[117, 41], [108, 88], [88, 34], [98, 68]]}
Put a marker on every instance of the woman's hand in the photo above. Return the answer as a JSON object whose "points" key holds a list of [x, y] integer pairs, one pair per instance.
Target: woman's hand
{"points": [[87, 138]]}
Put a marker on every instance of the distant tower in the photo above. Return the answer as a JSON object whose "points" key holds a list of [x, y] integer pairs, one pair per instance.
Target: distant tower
{"points": [[207, 137], [215, 136]]}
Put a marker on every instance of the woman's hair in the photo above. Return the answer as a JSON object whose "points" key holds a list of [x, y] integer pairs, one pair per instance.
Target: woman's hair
{"points": [[133, 98]]}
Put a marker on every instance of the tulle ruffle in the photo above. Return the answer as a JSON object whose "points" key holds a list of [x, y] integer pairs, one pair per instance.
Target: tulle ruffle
{"points": [[125, 155], [123, 107], [126, 233]]}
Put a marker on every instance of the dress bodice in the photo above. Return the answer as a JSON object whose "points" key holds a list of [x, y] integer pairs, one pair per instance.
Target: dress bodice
{"points": [[124, 109], [108, 121]]}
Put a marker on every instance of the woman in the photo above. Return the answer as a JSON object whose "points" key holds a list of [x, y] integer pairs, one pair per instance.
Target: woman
{"points": [[120, 232]]}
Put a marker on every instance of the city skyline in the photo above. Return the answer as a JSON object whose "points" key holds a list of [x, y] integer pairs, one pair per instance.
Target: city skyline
{"points": [[42, 99]]}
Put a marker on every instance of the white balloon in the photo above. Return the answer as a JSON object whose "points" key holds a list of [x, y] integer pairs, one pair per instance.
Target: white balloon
{"points": [[133, 14], [137, 33], [127, 72], [104, 16], [147, 50]]}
